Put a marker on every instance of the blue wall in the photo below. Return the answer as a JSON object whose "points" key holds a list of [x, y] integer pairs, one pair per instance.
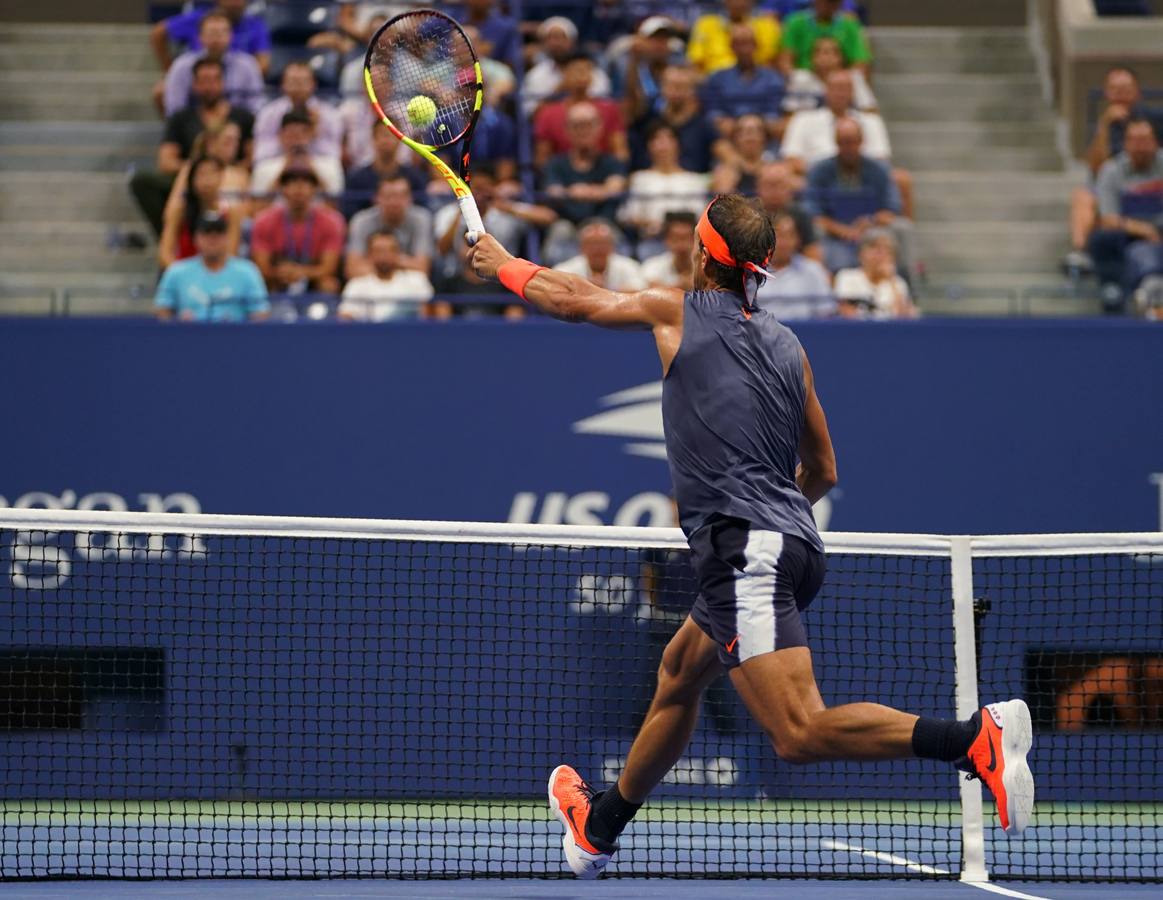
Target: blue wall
{"points": [[939, 426]]}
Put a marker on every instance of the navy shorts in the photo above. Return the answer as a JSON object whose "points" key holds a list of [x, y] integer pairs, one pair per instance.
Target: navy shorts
{"points": [[752, 586]]}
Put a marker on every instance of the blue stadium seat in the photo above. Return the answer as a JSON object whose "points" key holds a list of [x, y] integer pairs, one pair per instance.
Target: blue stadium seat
{"points": [[326, 64], [1122, 7], [293, 21], [1148, 206]]}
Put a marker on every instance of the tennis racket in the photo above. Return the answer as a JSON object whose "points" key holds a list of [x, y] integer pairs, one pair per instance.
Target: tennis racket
{"points": [[424, 81]]}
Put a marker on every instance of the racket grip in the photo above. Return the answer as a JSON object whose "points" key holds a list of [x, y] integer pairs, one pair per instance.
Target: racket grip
{"points": [[472, 218]]}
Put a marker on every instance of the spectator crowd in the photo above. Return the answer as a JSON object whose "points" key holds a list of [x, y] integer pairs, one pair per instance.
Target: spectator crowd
{"points": [[1116, 220], [602, 138]]}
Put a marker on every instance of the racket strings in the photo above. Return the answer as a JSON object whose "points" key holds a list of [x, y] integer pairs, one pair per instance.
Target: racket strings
{"points": [[423, 54]]}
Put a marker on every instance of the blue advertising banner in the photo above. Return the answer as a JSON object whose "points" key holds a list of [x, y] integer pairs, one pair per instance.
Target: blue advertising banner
{"points": [[939, 426], [967, 427]]}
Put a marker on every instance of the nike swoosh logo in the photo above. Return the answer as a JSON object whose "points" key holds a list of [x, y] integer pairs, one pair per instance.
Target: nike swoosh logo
{"points": [[992, 754], [731, 646], [569, 815]]}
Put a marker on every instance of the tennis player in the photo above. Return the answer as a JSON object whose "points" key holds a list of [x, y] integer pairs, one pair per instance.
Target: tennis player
{"points": [[739, 408]]}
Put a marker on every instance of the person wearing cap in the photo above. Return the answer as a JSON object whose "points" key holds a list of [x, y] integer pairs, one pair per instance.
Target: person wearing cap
{"points": [[298, 243], [710, 44], [212, 286], [296, 132], [651, 50], [557, 39]]}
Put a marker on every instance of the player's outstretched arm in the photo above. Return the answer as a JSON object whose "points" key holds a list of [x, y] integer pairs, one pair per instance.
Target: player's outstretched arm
{"points": [[817, 471], [573, 299]]}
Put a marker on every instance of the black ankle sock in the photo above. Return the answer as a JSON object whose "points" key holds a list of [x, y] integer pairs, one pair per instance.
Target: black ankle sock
{"points": [[609, 815], [944, 739]]}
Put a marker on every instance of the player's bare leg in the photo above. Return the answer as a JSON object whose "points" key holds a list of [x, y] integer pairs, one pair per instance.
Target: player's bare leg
{"points": [[780, 691], [689, 664], [592, 822]]}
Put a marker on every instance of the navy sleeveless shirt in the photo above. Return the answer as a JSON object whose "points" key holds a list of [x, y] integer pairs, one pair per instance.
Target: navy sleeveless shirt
{"points": [[733, 411]]}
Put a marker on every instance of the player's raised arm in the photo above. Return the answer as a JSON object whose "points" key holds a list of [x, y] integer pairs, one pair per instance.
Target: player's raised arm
{"points": [[572, 298]]}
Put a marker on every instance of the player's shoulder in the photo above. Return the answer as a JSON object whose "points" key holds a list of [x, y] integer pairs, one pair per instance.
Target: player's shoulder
{"points": [[780, 335], [663, 294], [665, 304]]}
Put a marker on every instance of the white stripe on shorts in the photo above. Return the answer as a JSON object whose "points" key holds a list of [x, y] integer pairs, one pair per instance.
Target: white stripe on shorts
{"points": [[755, 594]]}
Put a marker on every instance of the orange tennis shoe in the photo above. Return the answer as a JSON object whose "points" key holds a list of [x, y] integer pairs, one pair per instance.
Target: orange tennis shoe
{"points": [[998, 757], [571, 800]]}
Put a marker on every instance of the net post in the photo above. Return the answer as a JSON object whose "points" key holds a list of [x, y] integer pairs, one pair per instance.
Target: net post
{"points": [[965, 651]]}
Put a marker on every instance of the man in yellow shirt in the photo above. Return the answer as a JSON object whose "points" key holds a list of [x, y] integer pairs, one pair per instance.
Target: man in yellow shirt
{"points": [[709, 48]]}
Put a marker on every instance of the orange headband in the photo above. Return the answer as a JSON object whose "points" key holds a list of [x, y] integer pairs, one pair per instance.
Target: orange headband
{"points": [[713, 241], [717, 247]]}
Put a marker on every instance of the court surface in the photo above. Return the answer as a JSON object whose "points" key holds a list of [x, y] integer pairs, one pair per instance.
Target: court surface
{"points": [[212, 839], [529, 889]]}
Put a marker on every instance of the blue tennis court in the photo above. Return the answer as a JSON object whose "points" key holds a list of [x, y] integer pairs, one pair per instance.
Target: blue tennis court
{"points": [[531, 889], [366, 840]]}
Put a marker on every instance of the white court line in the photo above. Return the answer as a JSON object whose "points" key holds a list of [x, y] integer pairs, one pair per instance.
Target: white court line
{"points": [[909, 864], [914, 866], [1005, 892]]}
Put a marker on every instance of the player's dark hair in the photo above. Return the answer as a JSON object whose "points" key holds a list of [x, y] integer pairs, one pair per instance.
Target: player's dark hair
{"points": [[207, 63], [747, 230]]}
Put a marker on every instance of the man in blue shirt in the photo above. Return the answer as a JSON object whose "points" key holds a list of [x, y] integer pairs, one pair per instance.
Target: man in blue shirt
{"points": [[682, 111], [250, 33], [799, 287], [212, 286], [745, 88], [848, 194]]}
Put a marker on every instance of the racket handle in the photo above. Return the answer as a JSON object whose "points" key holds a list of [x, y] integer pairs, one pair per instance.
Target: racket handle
{"points": [[472, 218]]}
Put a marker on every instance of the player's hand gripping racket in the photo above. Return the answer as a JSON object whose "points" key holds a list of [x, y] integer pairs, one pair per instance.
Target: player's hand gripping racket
{"points": [[425, 82]]}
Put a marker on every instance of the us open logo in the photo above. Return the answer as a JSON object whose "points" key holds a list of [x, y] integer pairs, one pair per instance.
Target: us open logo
{"points": [[635, 414]]}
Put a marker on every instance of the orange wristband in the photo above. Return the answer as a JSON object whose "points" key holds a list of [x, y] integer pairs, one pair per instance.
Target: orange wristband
{"points": [[515, 274]]}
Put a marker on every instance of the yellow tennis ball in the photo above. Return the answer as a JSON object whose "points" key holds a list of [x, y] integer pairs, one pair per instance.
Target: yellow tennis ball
{"points": [[421, 111]]}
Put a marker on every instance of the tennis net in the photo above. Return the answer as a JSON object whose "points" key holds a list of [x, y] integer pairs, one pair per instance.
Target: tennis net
{"points": [[218, 696]]}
